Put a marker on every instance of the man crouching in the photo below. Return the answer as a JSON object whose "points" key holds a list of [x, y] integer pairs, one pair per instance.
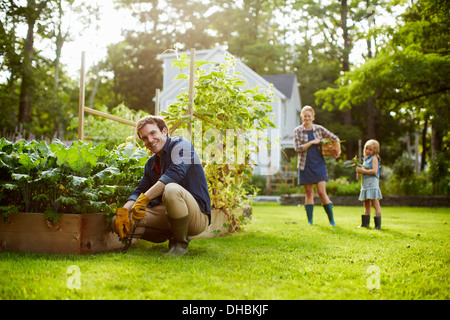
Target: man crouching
{"points": [[172, 200]]}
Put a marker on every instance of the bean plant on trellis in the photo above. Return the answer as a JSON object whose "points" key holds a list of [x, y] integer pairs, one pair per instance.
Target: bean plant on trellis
{"points": [[229, 122]]}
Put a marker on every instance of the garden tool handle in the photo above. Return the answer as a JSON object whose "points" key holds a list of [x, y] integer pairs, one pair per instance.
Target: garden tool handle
{"points": [[128, 244]]}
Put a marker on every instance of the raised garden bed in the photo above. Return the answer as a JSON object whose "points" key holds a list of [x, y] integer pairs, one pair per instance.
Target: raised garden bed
{"points": [[73, 234], [81, 233]]}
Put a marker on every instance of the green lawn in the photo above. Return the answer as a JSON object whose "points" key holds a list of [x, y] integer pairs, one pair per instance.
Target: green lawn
{"points": [[276, 256]]}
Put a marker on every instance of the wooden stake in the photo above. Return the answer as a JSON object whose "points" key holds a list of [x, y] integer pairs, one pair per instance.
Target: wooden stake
{"points": [[81, 100], [359, 150], [108, 116], [416, 152], [136, 119], [157, 102], [191, 91]]}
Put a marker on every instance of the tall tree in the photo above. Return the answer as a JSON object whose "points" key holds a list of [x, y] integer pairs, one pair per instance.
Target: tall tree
{"points": [[331, 32], [137, 72], [350, 149], [251, 33], [409, 76], [31, 14], [10, 66], [34, 91]]}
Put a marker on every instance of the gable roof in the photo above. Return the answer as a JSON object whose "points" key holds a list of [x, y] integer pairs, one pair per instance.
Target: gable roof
{"points": [[283, 82], [213, 55], [199, 54]]}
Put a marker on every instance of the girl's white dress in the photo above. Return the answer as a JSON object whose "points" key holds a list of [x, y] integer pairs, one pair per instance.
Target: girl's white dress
{"points": [[370, 186]]}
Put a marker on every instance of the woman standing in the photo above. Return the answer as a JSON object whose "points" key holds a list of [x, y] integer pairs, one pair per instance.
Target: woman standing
{"points": [[311, 165]]}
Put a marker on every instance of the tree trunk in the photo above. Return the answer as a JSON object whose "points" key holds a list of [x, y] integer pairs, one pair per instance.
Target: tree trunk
{"points": [[27, 77], [346, 67], [346, 53], [26, 89], [424, 144], [58, 122], [437, 133], [370, 119], [61, 37], [371, 105]]}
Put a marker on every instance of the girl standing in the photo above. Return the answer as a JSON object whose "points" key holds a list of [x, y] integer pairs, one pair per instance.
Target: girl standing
{"points": [[310, 162], [370, 187]]}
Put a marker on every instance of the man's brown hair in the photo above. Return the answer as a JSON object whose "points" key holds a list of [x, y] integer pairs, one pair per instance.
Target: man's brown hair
{"points": [[159, 121]]}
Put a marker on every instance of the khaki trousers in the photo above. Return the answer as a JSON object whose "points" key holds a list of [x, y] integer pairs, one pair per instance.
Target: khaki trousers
{"points": [[177, 203]]}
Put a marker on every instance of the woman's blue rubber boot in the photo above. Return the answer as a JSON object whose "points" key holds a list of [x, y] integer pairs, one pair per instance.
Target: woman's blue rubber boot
{"points": [[309, 212], [329, 210]]}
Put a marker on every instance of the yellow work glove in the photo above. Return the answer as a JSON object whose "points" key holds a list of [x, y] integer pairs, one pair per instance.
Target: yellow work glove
{"points": [[139, 209], [122, 221]]}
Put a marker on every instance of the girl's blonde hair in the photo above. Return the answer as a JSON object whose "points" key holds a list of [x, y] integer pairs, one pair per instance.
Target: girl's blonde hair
{"points": [[307, 108], [375, 144]]}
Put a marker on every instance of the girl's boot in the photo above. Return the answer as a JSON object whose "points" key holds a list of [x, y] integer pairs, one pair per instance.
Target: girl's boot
{"points": [[309, 212], [329, 210], [365, 221], [377, 222]]}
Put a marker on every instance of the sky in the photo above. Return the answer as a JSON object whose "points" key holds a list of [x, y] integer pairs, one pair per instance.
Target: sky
{"points": [[94, 41]]}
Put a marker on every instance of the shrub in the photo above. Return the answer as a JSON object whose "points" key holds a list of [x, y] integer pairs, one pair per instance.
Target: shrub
{"points": [[404, 181], [259, 181], [413, 186], [403, 168], [438, 171], [342, 187], [340, 168]]}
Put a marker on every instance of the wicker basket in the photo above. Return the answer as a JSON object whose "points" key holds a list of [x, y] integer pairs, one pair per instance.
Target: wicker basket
{"points": [[330, 149]]}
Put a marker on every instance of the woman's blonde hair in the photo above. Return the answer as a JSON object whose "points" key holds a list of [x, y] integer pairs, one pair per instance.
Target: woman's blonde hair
{"points": [[375, 144], [307, 108]]}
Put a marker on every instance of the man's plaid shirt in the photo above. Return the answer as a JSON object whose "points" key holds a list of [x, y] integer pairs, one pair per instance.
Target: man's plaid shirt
{"points": [[301, 137]]}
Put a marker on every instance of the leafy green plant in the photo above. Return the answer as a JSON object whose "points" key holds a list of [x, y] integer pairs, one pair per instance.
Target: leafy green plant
{"points": [[414, 186], [55, 178], [343, 187], [438, 172], [404, 181], [225, 110], [403, 168], [259, 181], [340, 168]]}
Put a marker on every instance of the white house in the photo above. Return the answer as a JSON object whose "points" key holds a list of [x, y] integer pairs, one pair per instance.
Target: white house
{"points": [[286, 105]]}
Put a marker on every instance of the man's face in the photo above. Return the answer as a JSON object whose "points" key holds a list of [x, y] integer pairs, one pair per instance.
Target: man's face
{"points": [[153, 138]]}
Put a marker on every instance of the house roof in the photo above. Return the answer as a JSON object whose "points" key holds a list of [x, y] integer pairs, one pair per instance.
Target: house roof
{"points": [[202, 54], [283, 82], [208, 55]]}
